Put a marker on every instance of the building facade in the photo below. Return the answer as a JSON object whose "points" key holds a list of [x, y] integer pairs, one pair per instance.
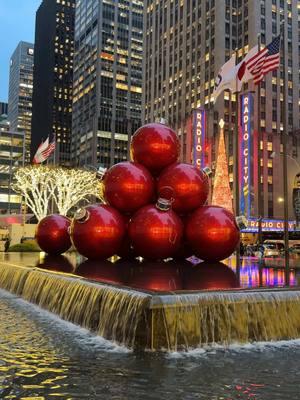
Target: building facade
{"points": [[107, 80], [53, 76], [3, 108], [12, 156], [20, 91], [185, 45]]}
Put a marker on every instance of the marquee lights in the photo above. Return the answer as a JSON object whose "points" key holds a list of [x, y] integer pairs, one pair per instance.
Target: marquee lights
{"points": [[199, 133], [245, 153]]}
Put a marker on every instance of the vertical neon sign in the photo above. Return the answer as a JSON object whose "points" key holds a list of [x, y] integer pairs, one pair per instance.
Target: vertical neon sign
{"points": [[245, 153], [199, 131]]}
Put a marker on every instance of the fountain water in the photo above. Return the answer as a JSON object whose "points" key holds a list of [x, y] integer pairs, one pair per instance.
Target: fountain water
{"points": [[159, 321], [111, 312]]}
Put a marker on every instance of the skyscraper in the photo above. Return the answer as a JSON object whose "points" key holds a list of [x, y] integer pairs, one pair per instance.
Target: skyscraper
{"points": [[107, 80], [53, 76], [3, 108], [186, 43], [20, 91]]}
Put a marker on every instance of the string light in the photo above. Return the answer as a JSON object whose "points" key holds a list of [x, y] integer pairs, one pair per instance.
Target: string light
{"points": [[222, 195], [42, 185]]}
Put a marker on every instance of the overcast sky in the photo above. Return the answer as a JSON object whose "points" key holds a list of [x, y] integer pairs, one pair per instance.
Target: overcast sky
{"points": [[17, 20]]}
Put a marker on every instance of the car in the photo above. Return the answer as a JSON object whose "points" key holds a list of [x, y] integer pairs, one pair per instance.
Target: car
{"points": [[271, 250], [295, 249]]}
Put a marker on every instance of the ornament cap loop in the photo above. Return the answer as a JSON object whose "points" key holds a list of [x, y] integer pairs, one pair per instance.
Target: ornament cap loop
{"points": [[82, 215], [207, 172], [163, 204], [100, 173], [241, 222]]}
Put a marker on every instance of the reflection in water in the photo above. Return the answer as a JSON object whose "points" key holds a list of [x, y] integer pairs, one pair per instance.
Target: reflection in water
{"points": [[45, 358], [209, 276], [156, 276], [56, 263], [254, 273], [171, 276]]}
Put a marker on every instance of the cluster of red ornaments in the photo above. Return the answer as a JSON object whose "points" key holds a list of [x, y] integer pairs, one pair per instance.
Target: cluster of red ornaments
{"points": [[155, 209]]}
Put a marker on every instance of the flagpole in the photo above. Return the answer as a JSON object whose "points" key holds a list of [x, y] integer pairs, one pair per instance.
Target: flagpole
{"points": [[260, 203], [236, 166], [284, 145]]}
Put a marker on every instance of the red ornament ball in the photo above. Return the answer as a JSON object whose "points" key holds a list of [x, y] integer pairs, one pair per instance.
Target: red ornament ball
{"points": [[188, 185], [209, 276], [212, 233], [52, 234], [155, 234], [97, 231], [128, 186], [155, 146]]}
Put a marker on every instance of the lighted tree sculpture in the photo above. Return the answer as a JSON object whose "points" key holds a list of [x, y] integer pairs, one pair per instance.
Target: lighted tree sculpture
{"points": [[70, 186], [41, 186], [222, 195]]}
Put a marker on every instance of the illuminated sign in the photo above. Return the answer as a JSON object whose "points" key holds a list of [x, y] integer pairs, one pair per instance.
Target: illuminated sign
{"points": [[268, 225], [199, 128], [245, 153], [30, 52]]}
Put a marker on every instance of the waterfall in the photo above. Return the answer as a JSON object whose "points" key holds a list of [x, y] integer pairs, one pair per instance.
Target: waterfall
{"points": [[114, 313], [166, 321], [196, 320]]}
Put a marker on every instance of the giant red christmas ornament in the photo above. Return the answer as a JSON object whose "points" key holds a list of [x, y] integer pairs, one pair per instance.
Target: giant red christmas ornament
{"points": [[209, 276], [155, 146], [187, 184], [52, 234], [97, 231], [212, 233], [155, 233], [128, 186], [156, 276]]}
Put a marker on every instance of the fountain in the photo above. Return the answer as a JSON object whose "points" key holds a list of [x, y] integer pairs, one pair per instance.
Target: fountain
{"points": [[157, 318], [155, 304]]}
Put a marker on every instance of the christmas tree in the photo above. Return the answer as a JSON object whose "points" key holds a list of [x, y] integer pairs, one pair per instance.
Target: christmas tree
{"points": [[222, 195]]}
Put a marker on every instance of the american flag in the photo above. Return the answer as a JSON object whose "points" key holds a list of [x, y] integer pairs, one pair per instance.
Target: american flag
{"points": [[266, 60], [49, 150], [44, 151]]}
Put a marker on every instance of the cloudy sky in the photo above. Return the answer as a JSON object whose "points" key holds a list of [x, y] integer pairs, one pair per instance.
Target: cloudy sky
{"points": [[17, 20]]}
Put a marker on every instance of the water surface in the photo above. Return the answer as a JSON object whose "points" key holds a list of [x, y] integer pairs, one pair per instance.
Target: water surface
{"points": [[42, 357]]}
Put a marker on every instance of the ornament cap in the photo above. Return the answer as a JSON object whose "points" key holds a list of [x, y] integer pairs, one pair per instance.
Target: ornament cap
{"points": [[208, 172], [100, 173], [241, 222], [81, 215], [163, 204]]}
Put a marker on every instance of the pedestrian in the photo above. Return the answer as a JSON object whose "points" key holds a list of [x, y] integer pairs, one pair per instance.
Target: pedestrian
{"points": [[7, 244]]}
